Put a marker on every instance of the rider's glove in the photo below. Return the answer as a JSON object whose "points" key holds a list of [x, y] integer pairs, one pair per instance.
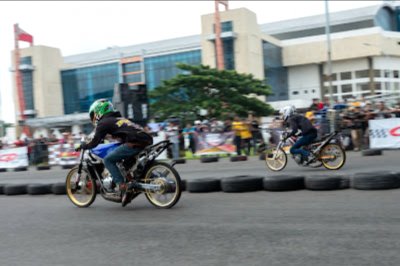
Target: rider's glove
{"points": [[78, 148]]}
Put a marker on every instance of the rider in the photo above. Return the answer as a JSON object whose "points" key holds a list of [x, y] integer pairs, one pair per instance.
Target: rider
{"points": [[107, 120], [308, 132]]}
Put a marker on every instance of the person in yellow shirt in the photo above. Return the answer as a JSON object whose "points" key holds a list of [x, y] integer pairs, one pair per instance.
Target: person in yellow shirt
{"points": [[242, 135], [246, 136]]}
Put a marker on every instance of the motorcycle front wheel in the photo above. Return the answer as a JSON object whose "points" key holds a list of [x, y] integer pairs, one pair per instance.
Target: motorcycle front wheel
{"points": [[169, 181], [83, 192], [332, 156], [280, 160]]}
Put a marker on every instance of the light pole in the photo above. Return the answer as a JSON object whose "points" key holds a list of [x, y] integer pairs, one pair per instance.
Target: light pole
{"points": [[328, 39]]}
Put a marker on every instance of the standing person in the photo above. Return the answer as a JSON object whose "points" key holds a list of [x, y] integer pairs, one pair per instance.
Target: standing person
{"points": [[256, 134], [382, 112], [172, 131], [246, 136], [355, 118], [189, 132], [237, 127], [109, 121], [308, 132]]}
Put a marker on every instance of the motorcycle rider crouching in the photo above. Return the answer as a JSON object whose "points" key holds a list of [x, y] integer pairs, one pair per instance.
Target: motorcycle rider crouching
{"points": [[109, 121], [308, 133]]}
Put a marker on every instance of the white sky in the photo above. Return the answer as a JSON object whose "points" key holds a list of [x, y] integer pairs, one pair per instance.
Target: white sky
{"points": [[83, 26]]}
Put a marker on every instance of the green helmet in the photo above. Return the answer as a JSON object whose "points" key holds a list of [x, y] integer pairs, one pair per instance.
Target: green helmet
{"points": [[99, 108]]}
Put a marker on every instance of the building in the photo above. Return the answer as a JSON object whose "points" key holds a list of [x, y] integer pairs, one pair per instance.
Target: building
{"points": [[290, 55]]}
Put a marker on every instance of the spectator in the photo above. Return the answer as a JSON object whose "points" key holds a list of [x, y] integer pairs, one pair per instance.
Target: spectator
{"points": [[315, 105], [172, 131], [354, 118], [237, 127], [382, 112], [246, 136], [189, 132]]}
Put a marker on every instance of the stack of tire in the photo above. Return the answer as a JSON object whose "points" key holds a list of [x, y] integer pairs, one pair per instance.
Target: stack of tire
{"points": [[32, 189]]}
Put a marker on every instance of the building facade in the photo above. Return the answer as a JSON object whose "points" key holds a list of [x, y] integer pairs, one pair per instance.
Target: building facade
{"points": [[290, 56]]}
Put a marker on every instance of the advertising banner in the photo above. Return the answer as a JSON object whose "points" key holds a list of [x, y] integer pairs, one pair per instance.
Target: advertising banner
{"points": [[215, 143], [14, 158], [384, 133]]}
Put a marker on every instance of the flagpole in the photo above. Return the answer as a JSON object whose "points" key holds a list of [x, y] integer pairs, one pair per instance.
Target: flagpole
{"points": [[20, 92]]}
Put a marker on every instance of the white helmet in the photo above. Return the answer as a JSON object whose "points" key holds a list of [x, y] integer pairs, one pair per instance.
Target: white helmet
{"points": [[287, 112]]}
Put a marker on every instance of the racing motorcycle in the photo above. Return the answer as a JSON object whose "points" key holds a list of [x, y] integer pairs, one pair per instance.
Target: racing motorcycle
{"points": [[327, 151], [159, 181]]}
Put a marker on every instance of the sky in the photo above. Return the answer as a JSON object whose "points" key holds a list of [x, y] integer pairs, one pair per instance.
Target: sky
{"points": [[85, 26]]}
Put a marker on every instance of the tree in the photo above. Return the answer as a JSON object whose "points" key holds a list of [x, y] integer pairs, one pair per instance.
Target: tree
{"points": [[221, 92]]}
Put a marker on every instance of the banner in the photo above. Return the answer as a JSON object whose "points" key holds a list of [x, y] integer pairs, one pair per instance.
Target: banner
{"points": [[14, 158], [384, 133], [215, 143]]}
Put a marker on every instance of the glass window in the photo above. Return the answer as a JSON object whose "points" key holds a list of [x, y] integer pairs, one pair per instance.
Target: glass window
{"points": [[347, 88], [363, 87], [345, 75], [377, 73], [226, 26], [362, 74], [325, 77], [131, 67], [334, 89], [295, 92]]}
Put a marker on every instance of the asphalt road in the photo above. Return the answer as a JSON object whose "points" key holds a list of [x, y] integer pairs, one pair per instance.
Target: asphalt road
{"points": [[327, 228]]}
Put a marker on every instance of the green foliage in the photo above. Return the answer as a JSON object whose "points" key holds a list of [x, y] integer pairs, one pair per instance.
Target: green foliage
{"points": [[222, 93]]}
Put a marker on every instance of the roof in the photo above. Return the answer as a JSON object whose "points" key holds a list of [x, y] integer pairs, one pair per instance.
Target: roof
{"points": [[318, 21], [149, 49]]}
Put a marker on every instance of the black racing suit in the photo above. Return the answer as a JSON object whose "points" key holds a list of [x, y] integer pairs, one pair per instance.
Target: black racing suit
{"points": [[308, 133], [132, 136]]}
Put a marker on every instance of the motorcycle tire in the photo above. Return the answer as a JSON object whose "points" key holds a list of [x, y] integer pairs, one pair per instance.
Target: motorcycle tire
{"points": [[84, 194], [168, 177]]}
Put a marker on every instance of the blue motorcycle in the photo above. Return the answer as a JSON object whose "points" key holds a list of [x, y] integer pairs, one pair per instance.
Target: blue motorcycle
{"points": [[159, 181]]}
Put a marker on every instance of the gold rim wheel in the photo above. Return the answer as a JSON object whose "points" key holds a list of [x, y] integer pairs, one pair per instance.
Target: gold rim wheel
{"points": [[84, 194], [332, 156], [167, 179], [279, 162]]}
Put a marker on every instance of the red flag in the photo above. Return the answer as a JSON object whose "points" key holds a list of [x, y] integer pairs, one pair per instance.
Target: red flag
{"points": [[23, 35]]}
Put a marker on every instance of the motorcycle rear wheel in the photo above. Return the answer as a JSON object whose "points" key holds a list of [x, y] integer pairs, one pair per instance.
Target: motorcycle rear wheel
{"points": [[84, 194], [279, 162], [163, 174], [332, 156]]}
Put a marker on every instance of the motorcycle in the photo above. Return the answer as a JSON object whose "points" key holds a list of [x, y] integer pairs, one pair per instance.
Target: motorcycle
{"points": [[159, 181], [327, 152]]}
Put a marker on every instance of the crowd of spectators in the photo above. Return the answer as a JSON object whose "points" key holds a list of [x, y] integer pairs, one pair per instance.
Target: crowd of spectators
{"points": [[351, 118]]}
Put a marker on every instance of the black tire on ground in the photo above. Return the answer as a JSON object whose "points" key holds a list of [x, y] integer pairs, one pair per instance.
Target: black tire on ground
{"points": [[14, 190], [19, 169], [38, 189], [203, 185], [371, 152], [209, 159], [2, 188], [183, 184], [180, 161], [59, 189], [283, 183], [324, 182], [238, 158], [375, 180], [67, 166], [43, 167], [3, 170], [242, 183]]}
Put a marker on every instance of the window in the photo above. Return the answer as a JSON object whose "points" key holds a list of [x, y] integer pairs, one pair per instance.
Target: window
{"points": [[305, 91], [131, 67], [347, 88], [362, 74], [226, 26], [396, 74], [345, 75], [325, 77], [295, 92], [334, 89], [377, 73]]}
